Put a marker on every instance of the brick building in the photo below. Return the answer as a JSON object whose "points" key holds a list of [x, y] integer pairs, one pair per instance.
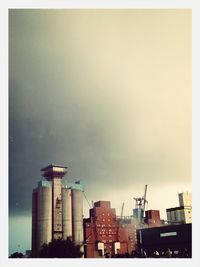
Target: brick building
{"points": [[105, 235], [152, 218]]}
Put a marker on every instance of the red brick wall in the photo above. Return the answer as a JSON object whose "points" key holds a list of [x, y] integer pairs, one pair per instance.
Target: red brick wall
{"points": [[153, 218], [102, 226]]}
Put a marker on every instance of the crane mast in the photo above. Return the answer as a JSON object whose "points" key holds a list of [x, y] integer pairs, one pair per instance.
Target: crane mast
{"points": [[144, 198], [140, 203], [122, 210]]}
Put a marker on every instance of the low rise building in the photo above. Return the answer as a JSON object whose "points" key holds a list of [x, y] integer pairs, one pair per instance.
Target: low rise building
{"points": [[166, 241], [183, 213]]}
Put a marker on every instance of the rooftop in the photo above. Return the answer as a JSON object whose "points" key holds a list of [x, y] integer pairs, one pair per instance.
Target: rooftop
{"points": [[54, 170], [53, 165]]}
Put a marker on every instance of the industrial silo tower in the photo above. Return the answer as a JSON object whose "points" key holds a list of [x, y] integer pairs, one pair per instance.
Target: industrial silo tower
{"points": [[54, 173], [57, 209]]}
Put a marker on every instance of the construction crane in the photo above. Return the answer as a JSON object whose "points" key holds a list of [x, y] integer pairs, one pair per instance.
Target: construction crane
{"points": [[145, 197], [140, 203], [122, 210]]}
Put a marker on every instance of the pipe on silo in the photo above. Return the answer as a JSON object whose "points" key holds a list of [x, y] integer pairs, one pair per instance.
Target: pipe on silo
{"points": [[77, 216], [67, 212], [44, 220]]}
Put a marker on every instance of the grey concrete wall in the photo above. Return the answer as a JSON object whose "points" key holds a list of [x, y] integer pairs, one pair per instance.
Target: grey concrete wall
{"points": [[67, 212], [77, 216], [44, 220]]}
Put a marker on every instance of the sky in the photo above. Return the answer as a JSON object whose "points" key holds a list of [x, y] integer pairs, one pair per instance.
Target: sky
{"points": [[108, 94]]}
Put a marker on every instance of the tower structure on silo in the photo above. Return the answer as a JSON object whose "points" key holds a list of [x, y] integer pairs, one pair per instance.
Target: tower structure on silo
{"points": [[57, 209], [54, 174]]}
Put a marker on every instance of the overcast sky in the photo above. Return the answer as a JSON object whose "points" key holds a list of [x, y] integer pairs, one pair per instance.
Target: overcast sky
{"points": [[107, 93]]}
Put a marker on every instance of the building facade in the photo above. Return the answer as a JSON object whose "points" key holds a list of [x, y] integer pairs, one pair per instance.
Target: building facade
{"points": [[57, 209], [152, 218], [183, 213], [105, 235], [166, 241]]}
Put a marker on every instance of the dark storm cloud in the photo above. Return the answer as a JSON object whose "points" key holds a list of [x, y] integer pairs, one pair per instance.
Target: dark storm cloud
{"points": [[76, 97]]}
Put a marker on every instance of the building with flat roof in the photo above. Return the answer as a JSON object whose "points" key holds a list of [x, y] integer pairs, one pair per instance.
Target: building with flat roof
{"points": [[166, 241], [183, 213]]}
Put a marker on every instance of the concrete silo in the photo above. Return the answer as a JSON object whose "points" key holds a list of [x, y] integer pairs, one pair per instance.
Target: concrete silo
{"points": [[34, 222], [57, 209], [44, 214], [67, 212], [77, 216]]}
